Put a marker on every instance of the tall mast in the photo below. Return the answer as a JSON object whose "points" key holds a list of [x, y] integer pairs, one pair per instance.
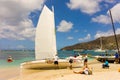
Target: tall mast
{"points": [[101, 43], [114, 31]]}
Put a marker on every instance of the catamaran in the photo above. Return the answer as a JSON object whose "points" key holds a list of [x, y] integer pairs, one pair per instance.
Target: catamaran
{"points": [[45, 44]]}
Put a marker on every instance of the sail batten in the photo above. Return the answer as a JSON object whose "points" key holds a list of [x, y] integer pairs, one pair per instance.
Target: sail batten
{"points": [[45, 39]]}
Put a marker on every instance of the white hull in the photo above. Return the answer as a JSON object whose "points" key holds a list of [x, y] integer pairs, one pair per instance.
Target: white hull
{"points": [[42, 64], [99, 50], [103, 58]]}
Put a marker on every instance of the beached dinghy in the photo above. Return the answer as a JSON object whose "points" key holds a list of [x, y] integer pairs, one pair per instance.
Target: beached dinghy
{"points": [[103, 57]]}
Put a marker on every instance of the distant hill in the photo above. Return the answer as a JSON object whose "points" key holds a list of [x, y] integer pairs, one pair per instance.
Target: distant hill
{"points": [[107, 43]]}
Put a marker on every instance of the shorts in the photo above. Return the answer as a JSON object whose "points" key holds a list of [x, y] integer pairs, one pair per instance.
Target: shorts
{"points": [[56, 62], [70, 61], [85, 60]]}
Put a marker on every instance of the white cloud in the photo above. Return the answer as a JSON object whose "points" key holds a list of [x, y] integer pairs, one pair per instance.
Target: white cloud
{"points": [[105, 19], [64, 26], [15, 23], [102, 19], [86, 6], [107, 33], [118, 31], [103, 34], [70, 38], [85, 38]]}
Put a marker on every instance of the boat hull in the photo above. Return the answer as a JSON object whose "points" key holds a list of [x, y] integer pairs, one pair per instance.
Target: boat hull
{"points": [[110, 59], [43, 64]]}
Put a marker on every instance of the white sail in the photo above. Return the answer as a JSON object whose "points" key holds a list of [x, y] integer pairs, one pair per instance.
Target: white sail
{"points": [[45, 44], [45, 39]]}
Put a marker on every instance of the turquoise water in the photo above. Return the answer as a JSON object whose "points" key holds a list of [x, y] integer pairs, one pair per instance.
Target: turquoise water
{"points": [[28, 55], [18, 57]]}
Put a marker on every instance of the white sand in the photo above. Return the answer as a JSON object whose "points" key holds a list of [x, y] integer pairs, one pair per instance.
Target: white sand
{"points": [[6, 73], [66, 74], [112, 75]]}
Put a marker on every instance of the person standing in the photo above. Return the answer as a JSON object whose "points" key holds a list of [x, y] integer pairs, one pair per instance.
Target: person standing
{"points": [[70, 62], [116, 57]]}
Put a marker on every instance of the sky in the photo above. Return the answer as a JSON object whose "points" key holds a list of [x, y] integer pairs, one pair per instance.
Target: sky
{"points": [[76, 21]]}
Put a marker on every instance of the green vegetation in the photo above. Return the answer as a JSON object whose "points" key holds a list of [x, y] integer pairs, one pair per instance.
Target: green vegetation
{"points": [[107, 43]]}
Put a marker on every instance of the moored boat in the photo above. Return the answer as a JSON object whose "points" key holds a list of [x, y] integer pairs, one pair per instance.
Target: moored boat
{"points": [[109, 57]]}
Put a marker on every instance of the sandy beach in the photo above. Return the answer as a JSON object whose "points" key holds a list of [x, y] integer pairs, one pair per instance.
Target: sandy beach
{"points": [[66, 74], [9, 72]]}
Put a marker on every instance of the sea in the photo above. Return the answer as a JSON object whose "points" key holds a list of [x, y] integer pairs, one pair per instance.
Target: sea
{"points": [[20, 56]]}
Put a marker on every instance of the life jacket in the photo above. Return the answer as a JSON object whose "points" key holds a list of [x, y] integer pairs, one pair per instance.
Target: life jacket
{"points": [[9, 60]]}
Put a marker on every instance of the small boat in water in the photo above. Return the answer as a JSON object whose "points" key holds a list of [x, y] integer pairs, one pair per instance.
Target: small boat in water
{"points": [[109, 57], [9, 59], [99, 50]]}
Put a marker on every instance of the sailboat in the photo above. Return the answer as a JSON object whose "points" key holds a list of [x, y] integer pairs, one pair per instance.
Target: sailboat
{"points": [[45, 44], [100, 50]]}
